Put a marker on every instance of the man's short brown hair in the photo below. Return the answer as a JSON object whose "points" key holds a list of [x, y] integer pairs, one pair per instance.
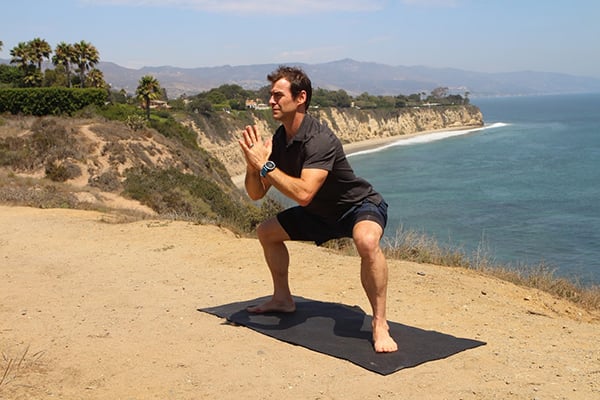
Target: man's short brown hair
{"points": [[296, 77]]}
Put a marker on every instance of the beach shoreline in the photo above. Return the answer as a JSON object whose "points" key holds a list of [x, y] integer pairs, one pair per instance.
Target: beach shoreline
{"points": [[376, 143]]}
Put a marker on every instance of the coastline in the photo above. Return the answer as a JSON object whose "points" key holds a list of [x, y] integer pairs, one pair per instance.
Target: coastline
{"points": [[376, 143], [353, 148]]}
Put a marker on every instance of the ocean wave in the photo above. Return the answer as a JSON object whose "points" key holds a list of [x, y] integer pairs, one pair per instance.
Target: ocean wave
{"points": [[429, 137]]}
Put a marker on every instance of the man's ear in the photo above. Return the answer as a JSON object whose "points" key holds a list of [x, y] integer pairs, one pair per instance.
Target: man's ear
{"points": [[301, 98]]}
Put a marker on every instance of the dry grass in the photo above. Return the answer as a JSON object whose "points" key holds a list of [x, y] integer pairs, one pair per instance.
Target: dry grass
{"points": [[420, 248], [542, 277], [32, 192], [44, 193], [14, 367]]}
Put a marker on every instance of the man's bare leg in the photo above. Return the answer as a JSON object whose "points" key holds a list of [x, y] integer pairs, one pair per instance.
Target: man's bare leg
{"points": [[272, 236], [374, 276]]}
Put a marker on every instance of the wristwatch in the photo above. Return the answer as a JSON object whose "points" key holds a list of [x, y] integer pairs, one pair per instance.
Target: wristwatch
{"points": [[268, 167]]}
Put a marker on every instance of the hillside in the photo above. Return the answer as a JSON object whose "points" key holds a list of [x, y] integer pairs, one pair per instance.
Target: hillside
{"points": [[97, 163]]}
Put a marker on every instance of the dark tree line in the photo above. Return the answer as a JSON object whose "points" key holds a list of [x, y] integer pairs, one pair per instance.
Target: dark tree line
{"points": [[234, 97]]}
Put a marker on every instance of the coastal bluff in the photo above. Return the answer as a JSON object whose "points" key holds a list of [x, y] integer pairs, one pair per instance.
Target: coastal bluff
{"points": [[351, 125]]}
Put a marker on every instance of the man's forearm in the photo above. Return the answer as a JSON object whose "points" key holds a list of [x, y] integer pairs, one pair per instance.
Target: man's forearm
{"points": [[254, 185], [301, 190]]}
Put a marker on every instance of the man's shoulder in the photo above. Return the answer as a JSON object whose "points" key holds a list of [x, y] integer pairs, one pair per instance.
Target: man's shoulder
{"points": [[313, 121], [315, 127]]}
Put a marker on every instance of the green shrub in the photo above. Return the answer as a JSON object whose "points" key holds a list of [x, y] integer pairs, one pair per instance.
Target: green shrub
{"points": [[59, 171], [135, 122], [174, 130], [49, 100], [184, 196], [173, 192], [107, 182], [119, 111]]}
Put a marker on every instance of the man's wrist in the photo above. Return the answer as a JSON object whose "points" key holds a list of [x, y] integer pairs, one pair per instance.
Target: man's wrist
{"points": [[252, 171], [266, 168]]}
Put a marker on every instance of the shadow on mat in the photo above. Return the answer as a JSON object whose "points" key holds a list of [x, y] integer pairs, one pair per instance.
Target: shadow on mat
{"points": [[344, 321], [345, 332]]}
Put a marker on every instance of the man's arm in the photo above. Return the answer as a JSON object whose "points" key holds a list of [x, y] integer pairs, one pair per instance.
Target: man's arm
{"points": [[256, 153], [302, 190], [256, 187]]}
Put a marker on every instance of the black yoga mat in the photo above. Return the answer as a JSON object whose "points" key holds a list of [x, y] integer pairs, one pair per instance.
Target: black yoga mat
{"points": [[345, 332]]}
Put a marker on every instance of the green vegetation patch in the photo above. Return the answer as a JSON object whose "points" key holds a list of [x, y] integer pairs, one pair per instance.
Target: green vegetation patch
{"points": [[49, 100]]}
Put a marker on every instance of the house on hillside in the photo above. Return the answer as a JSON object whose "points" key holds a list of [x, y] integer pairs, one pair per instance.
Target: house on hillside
{"points": [[256, 104], [159, 105]]}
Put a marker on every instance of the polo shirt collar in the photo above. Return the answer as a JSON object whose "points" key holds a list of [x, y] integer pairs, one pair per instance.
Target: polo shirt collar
{"points": [[302, 131]]}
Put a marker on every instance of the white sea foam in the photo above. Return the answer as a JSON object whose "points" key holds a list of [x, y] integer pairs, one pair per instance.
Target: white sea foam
{"points": [[428, 137]]}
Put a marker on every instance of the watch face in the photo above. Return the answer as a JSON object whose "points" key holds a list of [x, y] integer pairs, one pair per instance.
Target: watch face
{"points": [[268, 167]]}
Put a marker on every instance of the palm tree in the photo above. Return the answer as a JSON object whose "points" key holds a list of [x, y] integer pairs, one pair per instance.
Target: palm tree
{"points": [[86, 57], [1, 44], [64, 54], [38, 50], [95, 78], [33, 79], [20, 55], [148, 89]]}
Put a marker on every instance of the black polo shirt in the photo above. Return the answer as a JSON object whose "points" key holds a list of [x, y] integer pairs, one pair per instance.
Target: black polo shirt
{"points": [[316, 146]]}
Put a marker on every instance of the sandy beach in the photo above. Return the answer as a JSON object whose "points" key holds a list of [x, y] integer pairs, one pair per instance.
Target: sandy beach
{"points": [[92, 308]]}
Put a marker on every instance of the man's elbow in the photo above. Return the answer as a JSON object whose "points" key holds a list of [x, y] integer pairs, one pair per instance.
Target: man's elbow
{"points": [[305, 199], [255, 196], [254, 193]]}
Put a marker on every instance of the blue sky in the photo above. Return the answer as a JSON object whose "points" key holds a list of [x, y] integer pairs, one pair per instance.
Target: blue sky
{"points": [[475, 35]]}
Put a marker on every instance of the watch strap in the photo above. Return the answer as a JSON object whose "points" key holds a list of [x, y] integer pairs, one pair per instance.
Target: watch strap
{"points": [[268, 167]]}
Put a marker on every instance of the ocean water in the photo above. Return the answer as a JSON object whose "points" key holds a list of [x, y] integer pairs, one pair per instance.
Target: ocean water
{"points": [[526, 187]]}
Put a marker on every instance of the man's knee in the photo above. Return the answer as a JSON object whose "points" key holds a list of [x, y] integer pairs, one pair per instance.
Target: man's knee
{"points": [[271, 231], [263, 230], [367, 235]]}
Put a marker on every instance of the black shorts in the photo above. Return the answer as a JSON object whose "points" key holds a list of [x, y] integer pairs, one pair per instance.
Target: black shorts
{"points": [[304, 226]]}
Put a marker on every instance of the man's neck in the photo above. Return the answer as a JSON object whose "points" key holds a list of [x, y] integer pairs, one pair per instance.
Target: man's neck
{"points": [[293, 125]]}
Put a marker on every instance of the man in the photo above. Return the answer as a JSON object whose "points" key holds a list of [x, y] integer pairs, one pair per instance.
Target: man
{"points": [[305, 161]]}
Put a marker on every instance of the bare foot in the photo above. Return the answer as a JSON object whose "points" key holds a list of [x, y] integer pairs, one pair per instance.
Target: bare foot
{"points": [[273, 306], [382, 341]]}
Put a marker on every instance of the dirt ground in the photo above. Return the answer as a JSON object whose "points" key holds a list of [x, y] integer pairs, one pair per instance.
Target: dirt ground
{"points": [[91, 308]]}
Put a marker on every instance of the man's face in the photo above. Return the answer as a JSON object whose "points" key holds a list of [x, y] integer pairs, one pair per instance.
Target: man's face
{"points": [[281, 101]]}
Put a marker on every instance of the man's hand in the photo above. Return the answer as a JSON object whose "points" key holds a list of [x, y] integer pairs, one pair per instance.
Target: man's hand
{"points": [[257, 154], [256, 151]]}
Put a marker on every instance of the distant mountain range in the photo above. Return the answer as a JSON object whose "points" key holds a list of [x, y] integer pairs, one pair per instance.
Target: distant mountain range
{"points": [[355, 77]]}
